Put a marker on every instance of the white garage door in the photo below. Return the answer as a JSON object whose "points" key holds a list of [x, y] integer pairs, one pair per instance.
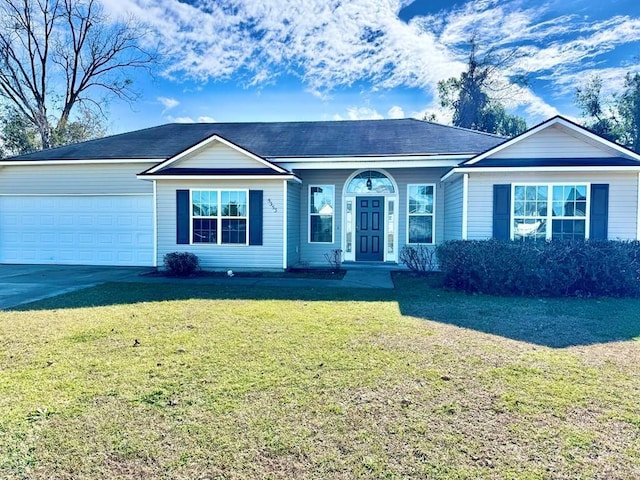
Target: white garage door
{"points": [[77, 230]]}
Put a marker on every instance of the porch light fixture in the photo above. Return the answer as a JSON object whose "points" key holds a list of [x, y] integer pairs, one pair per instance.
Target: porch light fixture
{"points": [[369, 184]]}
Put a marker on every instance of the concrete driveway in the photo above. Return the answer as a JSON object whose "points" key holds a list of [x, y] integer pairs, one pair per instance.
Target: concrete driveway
{"points": [[27, 283]]}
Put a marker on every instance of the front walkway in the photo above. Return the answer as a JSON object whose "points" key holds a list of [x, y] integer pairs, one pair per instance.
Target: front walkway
{"points": [[367, 278]]}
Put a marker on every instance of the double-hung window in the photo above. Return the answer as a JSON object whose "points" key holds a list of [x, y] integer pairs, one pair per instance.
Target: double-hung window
{"points": [[219, 216], [321, 200], [421, 200], [550, 211]]}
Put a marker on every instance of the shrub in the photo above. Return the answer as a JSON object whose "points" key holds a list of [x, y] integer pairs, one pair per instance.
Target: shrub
{"points": [[181, 264], [556, 268], [419, 258], [334, 258]]}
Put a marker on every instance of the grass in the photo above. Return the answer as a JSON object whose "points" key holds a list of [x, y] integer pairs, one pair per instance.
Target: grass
{"points": [[180, 381]]}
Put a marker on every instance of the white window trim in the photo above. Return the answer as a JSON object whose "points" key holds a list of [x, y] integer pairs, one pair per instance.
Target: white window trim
{"points": [[432, 214], [349, 256], [333, 214], [549, 217], [391, 256], [217, 217]]}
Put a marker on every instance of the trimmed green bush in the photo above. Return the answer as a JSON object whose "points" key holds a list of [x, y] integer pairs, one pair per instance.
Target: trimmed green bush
{"points": [[556, 268], [181, 264]]}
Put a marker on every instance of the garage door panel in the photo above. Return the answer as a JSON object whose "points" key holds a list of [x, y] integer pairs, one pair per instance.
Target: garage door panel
{"points": [[47, 239], [125, 220], [85, 220], [99, 230], [66, 239]]}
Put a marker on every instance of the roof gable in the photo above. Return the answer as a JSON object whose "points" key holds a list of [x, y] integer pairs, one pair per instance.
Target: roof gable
{"points": [[557, 138], [215, 153]]}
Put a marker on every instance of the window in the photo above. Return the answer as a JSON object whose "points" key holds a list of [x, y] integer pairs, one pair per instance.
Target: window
{"points": [[321, 198], [370, 181], [349, 226], [420, 213], [545, 212], [219, 216], [390, 227]]}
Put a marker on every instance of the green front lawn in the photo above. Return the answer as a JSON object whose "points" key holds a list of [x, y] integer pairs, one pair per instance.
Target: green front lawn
{"points": [[180, 381]]}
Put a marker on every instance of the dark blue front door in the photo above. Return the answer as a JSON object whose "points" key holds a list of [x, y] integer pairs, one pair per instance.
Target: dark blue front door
{"points": [[369, 229]]}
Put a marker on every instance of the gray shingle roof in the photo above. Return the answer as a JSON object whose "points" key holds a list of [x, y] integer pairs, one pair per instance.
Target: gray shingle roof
{"points": [[284, 139]]}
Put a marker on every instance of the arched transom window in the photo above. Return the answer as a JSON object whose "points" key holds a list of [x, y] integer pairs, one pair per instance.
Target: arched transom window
{"points": [[370, 181]]}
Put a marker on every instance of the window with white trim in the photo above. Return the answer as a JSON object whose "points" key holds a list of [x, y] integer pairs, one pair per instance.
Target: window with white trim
{"points": [[219, 216], [321, 201], [550, 211], [420, 213]]}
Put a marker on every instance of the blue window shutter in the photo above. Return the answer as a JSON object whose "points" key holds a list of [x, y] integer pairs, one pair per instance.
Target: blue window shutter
{"points": [[182, 216], [502, 212], [255, 217], [599, 222]]}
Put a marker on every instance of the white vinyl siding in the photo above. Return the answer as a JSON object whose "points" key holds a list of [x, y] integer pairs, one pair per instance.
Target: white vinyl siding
{"points": [[268, 256], [453, 209], [216, 155], [87, 179], [623, 198], [554, 142]]}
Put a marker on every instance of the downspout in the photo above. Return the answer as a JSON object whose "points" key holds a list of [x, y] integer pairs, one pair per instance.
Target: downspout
{"points": [[465, 205], [155, 225], [638, 211], [285, 220]]}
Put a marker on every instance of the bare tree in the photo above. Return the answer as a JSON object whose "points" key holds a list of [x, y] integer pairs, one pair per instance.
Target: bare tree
{"points": [[56, 55]]}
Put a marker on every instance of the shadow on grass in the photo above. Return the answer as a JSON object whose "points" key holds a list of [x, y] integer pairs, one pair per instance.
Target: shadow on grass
{"points": [[131, 293], [551, 322]]}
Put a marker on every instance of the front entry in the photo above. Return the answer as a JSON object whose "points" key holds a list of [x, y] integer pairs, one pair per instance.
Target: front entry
{"points": [[370, 229]]}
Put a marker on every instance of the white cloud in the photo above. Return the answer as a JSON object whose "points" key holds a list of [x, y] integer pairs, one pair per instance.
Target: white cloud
{"points": [[339, 43], [396, 112], [168, 103], [180, 119], [185, 119], [360, 113]]}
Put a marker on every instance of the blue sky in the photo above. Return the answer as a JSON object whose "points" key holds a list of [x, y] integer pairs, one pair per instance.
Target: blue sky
{"points": [[287, 60]]}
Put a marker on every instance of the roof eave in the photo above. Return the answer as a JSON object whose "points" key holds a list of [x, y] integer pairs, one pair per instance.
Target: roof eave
{"points": [[148, 176], [97, 161], [590, 168]]}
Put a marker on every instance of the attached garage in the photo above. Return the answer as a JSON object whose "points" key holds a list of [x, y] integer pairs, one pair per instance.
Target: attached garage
{"points": [[76, 213], [77, 229]]}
